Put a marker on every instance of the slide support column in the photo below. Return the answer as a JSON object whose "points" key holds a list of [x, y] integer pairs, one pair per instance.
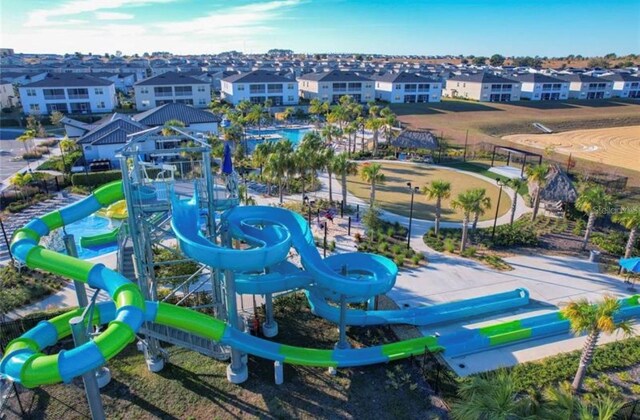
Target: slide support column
{"points": [[270, 326], [343, 344], [237, 371], [81, 291], [78, 330]]}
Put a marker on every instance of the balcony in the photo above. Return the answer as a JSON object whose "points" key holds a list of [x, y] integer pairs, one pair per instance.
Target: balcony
{"points": [[178, 93], [81, 96], [50, 97], [163, 94]]}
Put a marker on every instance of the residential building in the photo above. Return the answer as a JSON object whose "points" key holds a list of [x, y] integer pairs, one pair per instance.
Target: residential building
{"points": [[582, 86], [540, 87], [624, 85], [483, 87], [258, 86], [7, 95], [193, 118], [329, 86], [407, 88], [171, 87], [76, 93]]}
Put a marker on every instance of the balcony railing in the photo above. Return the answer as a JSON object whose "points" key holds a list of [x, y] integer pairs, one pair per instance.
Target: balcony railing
{"points": [[178, 93], [163, 94], [83, 96], [47, 97]]}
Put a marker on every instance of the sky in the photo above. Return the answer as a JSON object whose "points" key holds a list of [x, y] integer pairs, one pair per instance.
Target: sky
{"points": [[421, 27]]}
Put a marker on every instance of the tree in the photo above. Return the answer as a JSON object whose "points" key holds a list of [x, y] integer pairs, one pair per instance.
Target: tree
{"points": [[261, 154], [343, 166], [593, 201], [168, 131], [559, 403], [491, 397], [330, 132], [482, 204], [309, 156], [599, 62], [593, 320], [350, 130], [26, 138], [21, 179], [496, 60], [516, 184], [374, 124], [438, 190], [372, 173], [389, 120], [466, 202], [327, 156], [56, 118], [318, 108], [67, 145], [288, 113], [278, 165], [630, 219], [537, 175], [479, 61]]}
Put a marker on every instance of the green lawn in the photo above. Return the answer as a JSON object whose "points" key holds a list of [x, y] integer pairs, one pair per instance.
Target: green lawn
{"points": [[394, 195], [482, 169]]}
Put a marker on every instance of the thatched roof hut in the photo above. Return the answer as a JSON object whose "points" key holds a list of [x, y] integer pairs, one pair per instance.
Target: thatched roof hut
{"points": [[557, 188], [415, 139]]}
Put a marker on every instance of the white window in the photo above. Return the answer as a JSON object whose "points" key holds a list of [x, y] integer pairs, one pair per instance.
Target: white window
{"points": [[34, 107], [145, 103], [290, 86], [202, 101], [99, 91], [200, 88], [101, 105], [240, 87], [290, 99], [144, 90], [31, 92], [398, 86], [368, 86], [397, 98]]}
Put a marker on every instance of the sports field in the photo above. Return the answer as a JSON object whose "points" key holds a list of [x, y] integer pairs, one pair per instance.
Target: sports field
{"points": [[617, 146], [394, 195]]}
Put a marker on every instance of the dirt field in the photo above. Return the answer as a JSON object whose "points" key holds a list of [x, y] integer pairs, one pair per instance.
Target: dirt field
{"points": [[490, 121], [618, 146]]}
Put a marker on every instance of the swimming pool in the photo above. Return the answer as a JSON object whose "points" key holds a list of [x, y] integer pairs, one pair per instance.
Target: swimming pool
{"points": [[89, 226], [295, 135]]}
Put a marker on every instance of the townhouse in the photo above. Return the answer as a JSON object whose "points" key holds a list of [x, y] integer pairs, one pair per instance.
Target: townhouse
{"points": [[483, 87], [407, 88], [76, 93], [258, 86], [582, 86], [624, 85], [7, 95], [329, 86], [540, 87], [171, 87]]}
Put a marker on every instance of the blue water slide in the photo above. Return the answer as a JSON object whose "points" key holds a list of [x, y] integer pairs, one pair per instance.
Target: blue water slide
{"points": [[424, 315]]}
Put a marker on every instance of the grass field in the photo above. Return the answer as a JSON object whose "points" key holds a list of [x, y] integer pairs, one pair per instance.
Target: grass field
{"points": [[394, 195], [489, 121], [618, 146]]}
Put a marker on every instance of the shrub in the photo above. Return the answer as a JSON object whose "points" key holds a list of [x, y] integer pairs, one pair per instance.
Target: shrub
{"points": [[383, 247], [469, 252], [399, 260], [332, 246], [579, 227], [95, 178], [358, 237], [518, 234], [449, 245], [612, 242], [17, 207], [416, 259], [31, 155], [396, 249], [391, 231]]}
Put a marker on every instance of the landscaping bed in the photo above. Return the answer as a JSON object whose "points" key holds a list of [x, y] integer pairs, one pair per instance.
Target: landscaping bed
{"points": [[19, 288], [390, 240]]}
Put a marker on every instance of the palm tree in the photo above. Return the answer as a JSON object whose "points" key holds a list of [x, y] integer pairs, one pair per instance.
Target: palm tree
{"points": [[592, 201], [493, 397], [561, 404], [261, 154], [277, 167], [389, 120], [288, 113], [483, 203], [343, 166], [438, 189], [538, 175], [318, 108], [630, 219], [592, 320], [516, 184], [25, 138], [374, 124], [327, 156], [168, 131], [308, 157], [372, 173], [467, 202], [349, 130], [330, 132]]}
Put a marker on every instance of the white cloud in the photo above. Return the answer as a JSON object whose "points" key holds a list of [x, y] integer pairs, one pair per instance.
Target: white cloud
{"points": [[113, 16]]}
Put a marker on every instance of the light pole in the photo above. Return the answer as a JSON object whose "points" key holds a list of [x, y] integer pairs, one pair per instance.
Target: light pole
{"points": [[501, 184], [305, 200], [413, 191]]}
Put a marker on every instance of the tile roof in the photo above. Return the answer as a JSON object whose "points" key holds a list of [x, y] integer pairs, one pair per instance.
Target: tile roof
{"points": [[536, 78], [169, 78], [334, 76], [579, 78], [69, 80], [621, 77], [257, 76], [111, 132], [403, 77], [482, 78], [174, 111]]}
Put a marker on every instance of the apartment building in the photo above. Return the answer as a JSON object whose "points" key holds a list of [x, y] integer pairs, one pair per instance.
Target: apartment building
{"points": [[76, 93], [398, 88], [171, 87], [331, 85], [624, 85], [483, 87], [540, 87], [583, 86], [258, 86]]}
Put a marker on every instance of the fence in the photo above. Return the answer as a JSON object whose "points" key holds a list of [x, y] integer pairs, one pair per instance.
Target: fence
{"points": [[48, 186], [630, 411]]}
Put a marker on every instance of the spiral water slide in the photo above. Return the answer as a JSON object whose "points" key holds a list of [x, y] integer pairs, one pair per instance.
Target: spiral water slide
{"points": [[24, 361]]}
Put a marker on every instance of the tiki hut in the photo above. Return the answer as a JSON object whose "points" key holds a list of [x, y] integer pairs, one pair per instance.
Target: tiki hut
{"points": [[558, 187], [415, 139]]}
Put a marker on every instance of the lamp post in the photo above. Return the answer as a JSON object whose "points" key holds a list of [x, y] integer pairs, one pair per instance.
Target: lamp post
{"points": [[305, 200], [501, 184], [413, 190]]}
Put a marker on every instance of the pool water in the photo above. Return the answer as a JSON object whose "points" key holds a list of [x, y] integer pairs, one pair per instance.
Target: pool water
{"points": [[89, 226], [294, 135]]}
